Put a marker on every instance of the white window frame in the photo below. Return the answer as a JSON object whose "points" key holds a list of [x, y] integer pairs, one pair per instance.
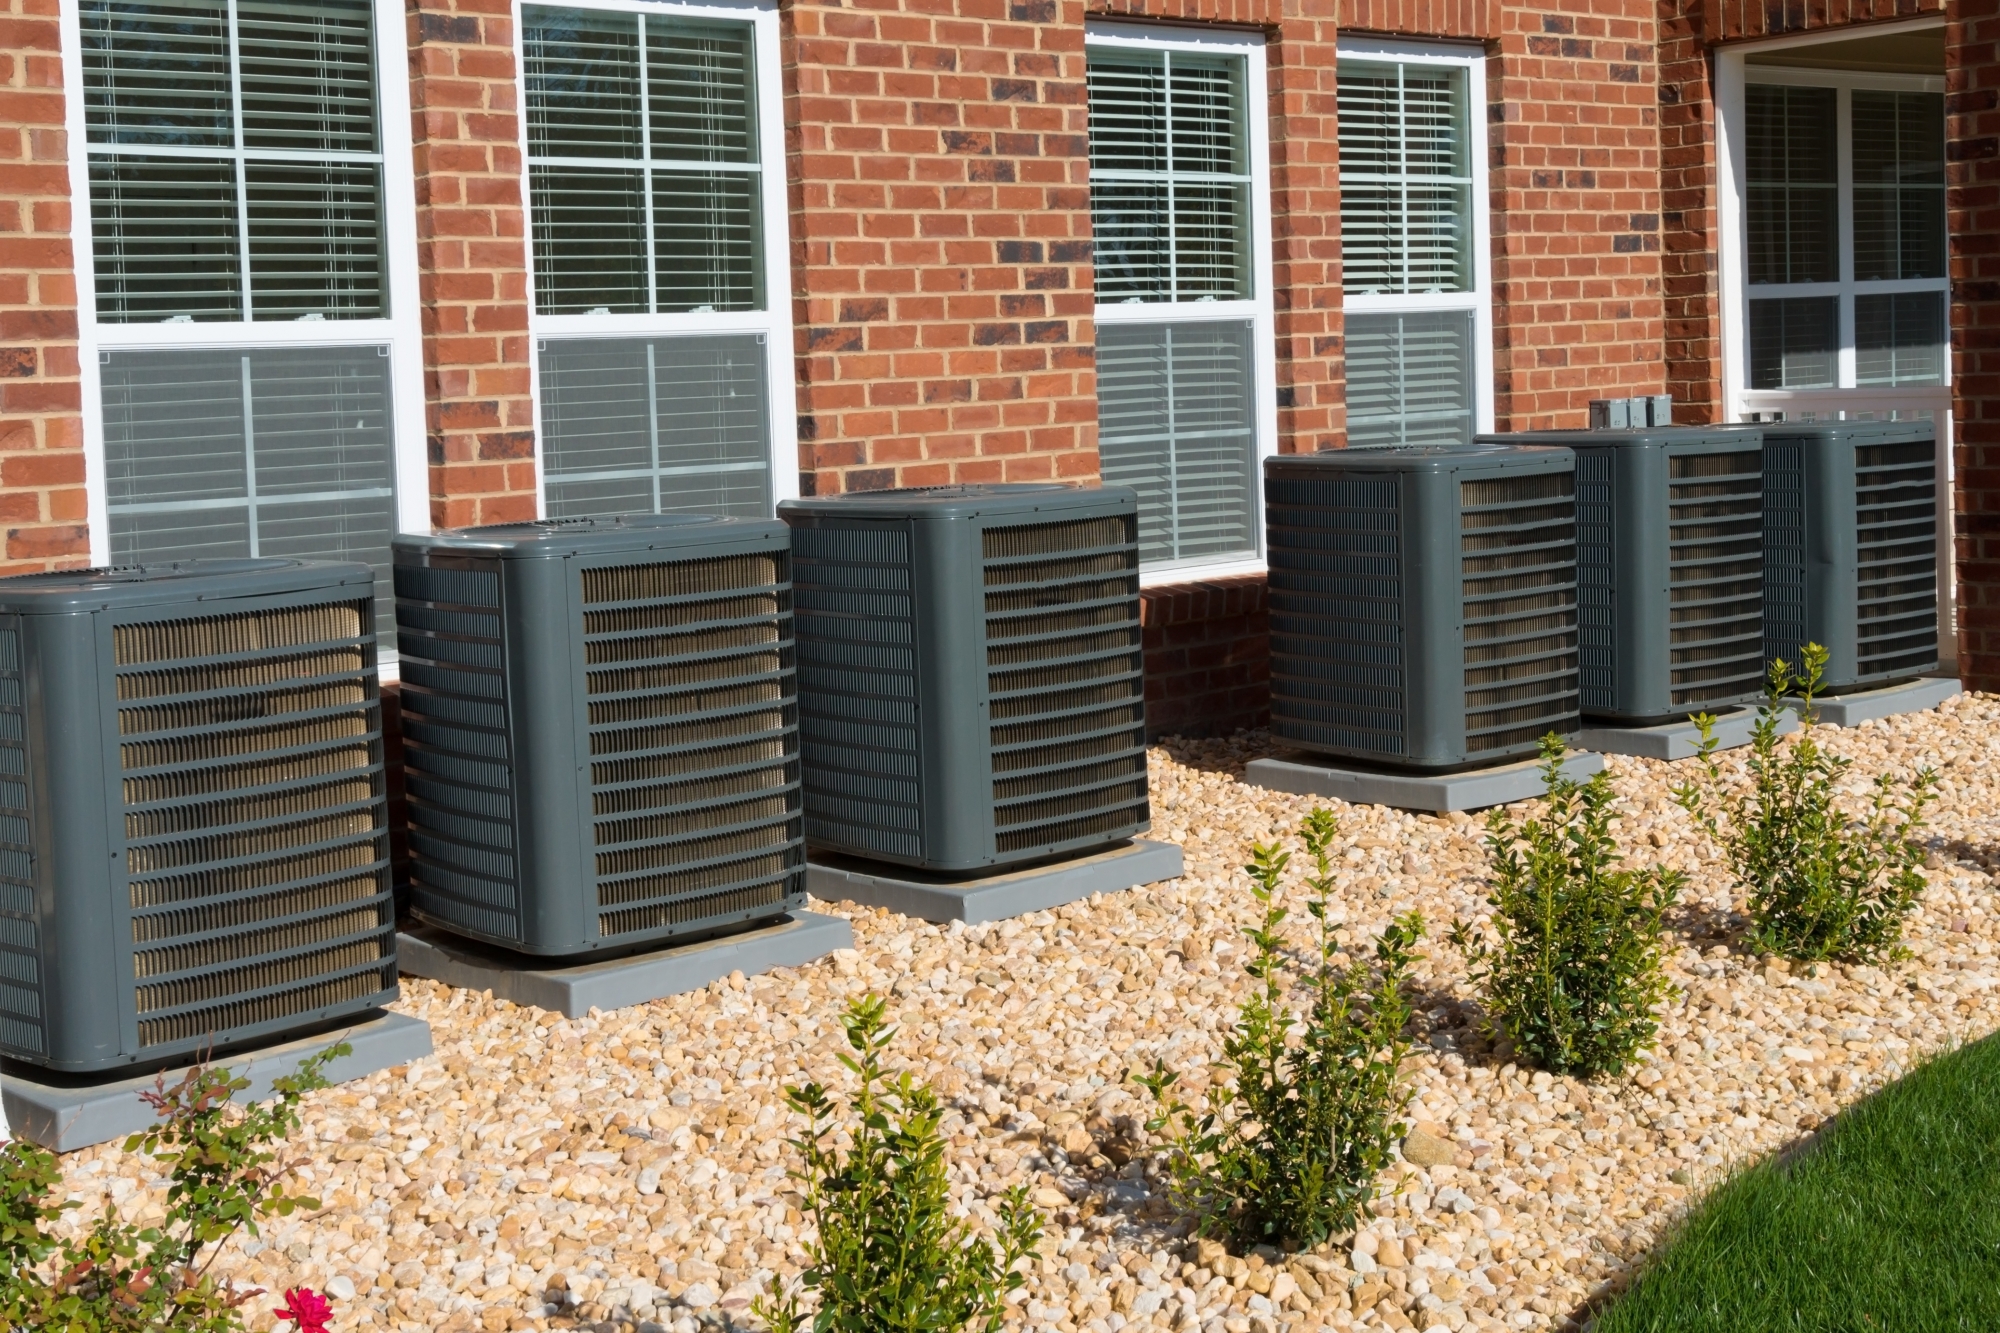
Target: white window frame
{"points": [[774, 321], [1733, 75], [1260, 309], [401, 330], [1479, 300]]}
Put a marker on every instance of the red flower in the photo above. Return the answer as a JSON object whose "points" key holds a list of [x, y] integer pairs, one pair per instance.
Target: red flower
{"points": [[306, 1308]]}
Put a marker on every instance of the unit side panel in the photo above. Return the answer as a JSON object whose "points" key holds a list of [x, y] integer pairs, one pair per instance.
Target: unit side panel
{"points": [[1596, 580], [1518, 571], [1715, 543], [23, 996], [1787, 532], [1896, 572]]}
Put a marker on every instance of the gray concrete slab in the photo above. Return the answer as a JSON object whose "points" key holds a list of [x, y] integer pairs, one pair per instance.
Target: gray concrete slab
{"points": [[1913, 696], [574, 989], [991, 897], [1437, 793], [65, 1116], [1674, 740]]}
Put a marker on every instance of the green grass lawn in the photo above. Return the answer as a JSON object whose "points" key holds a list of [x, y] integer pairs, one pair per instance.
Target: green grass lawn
{"points": [[1891, 1224]]}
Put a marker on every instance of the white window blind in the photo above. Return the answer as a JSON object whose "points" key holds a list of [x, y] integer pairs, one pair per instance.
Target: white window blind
{"points": [[235, 168], [1178, 179], [1843, 232], [1410, 239], [642, 161]]}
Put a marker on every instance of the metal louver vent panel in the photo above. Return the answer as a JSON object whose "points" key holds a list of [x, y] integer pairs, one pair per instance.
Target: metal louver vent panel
{"points": [[1091, 565], [1895, 504], [1716, 574], [20, 935], [1337, 652], [274, 782], [857, 666], [1596, 578], [1517, 544], [1784, 550]]}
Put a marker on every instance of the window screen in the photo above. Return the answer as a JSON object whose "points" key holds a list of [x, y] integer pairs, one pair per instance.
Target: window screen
{"points": [[1405, 178], [642, 162], [651, 425], [1176, 422], [271, 451], [1409, 378], [1169, 176], [235, 164]]}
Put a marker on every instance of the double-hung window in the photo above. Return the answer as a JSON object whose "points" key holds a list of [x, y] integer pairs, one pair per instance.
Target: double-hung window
{"points": [[1179, 197], [252, 364], [1838, 267], [1413, 244], [661, 296]]}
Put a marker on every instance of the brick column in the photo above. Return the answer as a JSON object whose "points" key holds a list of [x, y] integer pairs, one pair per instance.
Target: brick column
{"points": [[1972, 109], [472, 260], [41, 425], [1574, 120], [1691, 271], [939, 172]]}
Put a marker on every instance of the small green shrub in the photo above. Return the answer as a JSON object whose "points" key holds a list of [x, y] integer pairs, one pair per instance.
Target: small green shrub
{"points": [[1573, 979], [889, 1256], [224, 1173], [1294, 1132], [1821, 882]]}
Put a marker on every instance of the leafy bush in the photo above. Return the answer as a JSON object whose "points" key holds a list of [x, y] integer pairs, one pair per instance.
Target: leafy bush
{"points": [[1577, 969], [1821, 882], [888, 1254], [223, 1175], [1293, 1134]]}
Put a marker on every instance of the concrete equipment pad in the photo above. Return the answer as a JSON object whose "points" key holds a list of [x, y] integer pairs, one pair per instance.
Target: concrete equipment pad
{"points": [[992, 897], [1912, 696], [64, 1116], [1438, 793], [1674, 740], [573, 988]]}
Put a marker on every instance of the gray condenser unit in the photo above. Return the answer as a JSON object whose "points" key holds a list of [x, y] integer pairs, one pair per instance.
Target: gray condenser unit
{"points": [[600, 731], [194, 841], [1423, 602], [971, 686], [1670, 567], [1851, 547]]}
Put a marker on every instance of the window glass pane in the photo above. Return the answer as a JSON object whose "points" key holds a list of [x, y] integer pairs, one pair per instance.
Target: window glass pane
{"points": [[170, 233], [1791, 172], [645, 425], [1409, 378], [590, 239], [156, 73], [1405, 178], [1176, 422], [1898, 185], [676, 225], [1795, 343], [1899, 338], [164, 238], [270, 451], [1170, 187]]}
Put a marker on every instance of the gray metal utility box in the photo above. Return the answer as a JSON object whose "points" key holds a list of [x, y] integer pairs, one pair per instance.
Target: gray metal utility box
{"points": [[971, 693], [194, 836], [1670, 567], [1423, 602], [1851, 547], [600, 730]]}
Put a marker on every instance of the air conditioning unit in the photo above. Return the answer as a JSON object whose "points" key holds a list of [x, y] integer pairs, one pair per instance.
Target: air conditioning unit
{"points": [[972, 693], [1851, 547], [1423, 602], [1670, 570], [600, 730], [194, 844]]}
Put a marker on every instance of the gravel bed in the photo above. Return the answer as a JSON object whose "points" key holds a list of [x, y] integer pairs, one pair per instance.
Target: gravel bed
{"points": [[629, 1169]]}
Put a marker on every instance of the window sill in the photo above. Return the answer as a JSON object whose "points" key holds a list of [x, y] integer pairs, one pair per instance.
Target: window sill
{"points": [[1172, 576]]}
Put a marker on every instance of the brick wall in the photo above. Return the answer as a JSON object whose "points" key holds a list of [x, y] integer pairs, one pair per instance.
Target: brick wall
{"points": [[1208, 657], [41, 427], [1690, 273], [1575, 145], [941, 242], [1972, 107], [1728, 20], [472, 261]]}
